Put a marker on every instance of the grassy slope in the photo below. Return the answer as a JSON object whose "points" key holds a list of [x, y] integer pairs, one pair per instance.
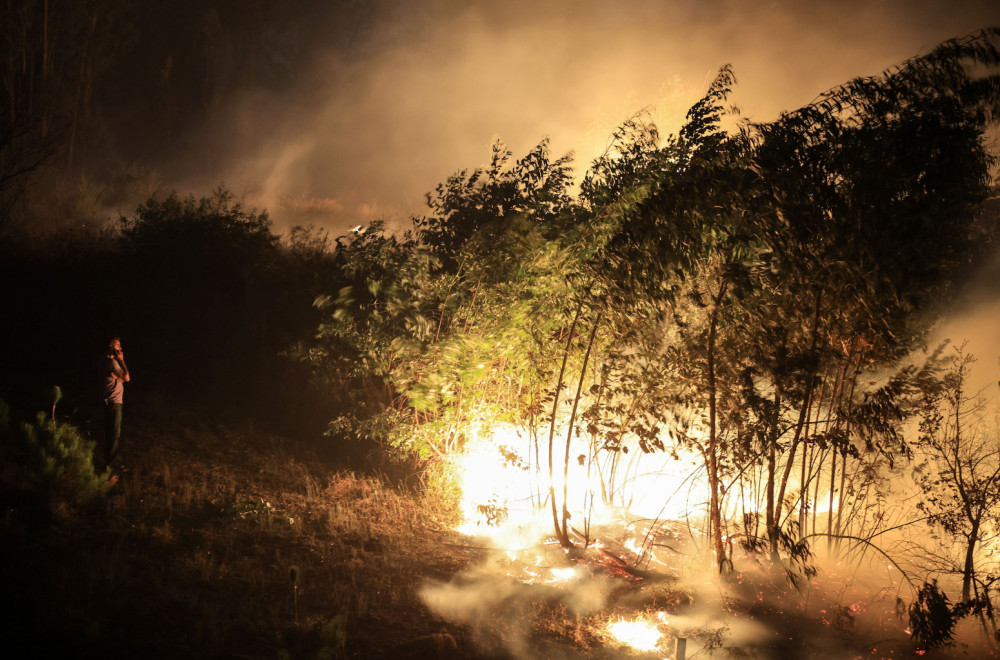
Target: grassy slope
{"points": [[190, 556]]}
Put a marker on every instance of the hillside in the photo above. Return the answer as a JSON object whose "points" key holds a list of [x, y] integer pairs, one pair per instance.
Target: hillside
{"points": [[192, 553]]}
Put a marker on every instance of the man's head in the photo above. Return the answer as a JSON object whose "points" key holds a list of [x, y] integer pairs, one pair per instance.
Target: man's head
{"points": [[115, 345]]}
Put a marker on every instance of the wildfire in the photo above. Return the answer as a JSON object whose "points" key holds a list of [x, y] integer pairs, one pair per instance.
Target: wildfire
{"points": [[637, 634], [562, 574], [505, 490]]}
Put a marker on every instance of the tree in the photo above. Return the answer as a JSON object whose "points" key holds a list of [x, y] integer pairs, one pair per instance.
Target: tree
{"points": [[54, 56], [792, 258], [194, 283], [534, 187], [726, 292], [959, 474]]}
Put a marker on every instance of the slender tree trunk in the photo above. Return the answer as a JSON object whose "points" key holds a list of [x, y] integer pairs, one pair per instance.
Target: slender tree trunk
{"points": [[829, 512], [533, 440], [803, 415], [840, 505], [847, 433], [45, 66], [820, 459], [804, 490], [560, 534], [769, 505], [572, 420], [804, 473], [714, 483], [772, 451], [968, 570], [81, 84], [799, 426]]}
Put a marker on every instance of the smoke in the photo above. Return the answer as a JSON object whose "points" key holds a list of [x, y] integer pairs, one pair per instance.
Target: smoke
{"points": [[972, 322], [386, 99], [502, 610], [528, 607]]}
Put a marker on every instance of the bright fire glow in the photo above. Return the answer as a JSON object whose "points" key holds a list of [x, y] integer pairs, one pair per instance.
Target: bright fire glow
{"points": [[563, 574], [639, 635], [505, 488], [503, 475]]}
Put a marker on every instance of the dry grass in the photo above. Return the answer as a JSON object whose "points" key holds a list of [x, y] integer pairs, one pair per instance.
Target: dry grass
{"points": [[192, 555]]}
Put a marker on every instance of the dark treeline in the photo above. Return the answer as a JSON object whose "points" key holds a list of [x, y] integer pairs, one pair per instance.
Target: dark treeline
{"points": [[205, 297], [112, 90]]}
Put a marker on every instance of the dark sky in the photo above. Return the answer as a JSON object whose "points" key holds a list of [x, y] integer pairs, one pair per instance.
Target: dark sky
{"points": [[385, 99]]}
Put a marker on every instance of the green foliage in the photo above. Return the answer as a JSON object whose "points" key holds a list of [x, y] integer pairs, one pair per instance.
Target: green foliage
{"points": [[50, 459], [631, 159], [533, 186], [434, 344], [745, 283], [389, 427], [768, 265]]}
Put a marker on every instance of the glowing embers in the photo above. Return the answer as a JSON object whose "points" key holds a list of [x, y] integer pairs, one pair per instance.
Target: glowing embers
{"points": [[639, 634], [546, 574]]}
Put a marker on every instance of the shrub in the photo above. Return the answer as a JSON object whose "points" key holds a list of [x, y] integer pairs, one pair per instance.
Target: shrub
{"points": [[932, 621], [50, 460]]}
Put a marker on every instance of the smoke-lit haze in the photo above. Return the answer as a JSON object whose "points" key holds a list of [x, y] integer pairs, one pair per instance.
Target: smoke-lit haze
{"points": [[386, 99], [390, 98]]}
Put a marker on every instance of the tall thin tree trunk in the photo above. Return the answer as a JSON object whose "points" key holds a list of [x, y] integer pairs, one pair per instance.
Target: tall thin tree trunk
{"points": [[968, 569], [840, 505], [820, 459], [45, 65], [829, 513], [560, 534], [847, 433], [572, 420], [715, 505], [772, 450], [804, 473], [803, 413], [81, 85]]}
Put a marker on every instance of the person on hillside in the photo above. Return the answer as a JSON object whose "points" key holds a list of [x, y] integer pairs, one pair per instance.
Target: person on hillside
{"points": [[114, 375]]}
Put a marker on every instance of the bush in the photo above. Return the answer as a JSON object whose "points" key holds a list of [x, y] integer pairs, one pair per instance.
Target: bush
{"points": [[49, 460], [932, 621]]}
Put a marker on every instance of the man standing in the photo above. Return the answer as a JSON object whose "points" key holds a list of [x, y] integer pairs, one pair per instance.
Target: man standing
{"points": [[114, 375]]}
